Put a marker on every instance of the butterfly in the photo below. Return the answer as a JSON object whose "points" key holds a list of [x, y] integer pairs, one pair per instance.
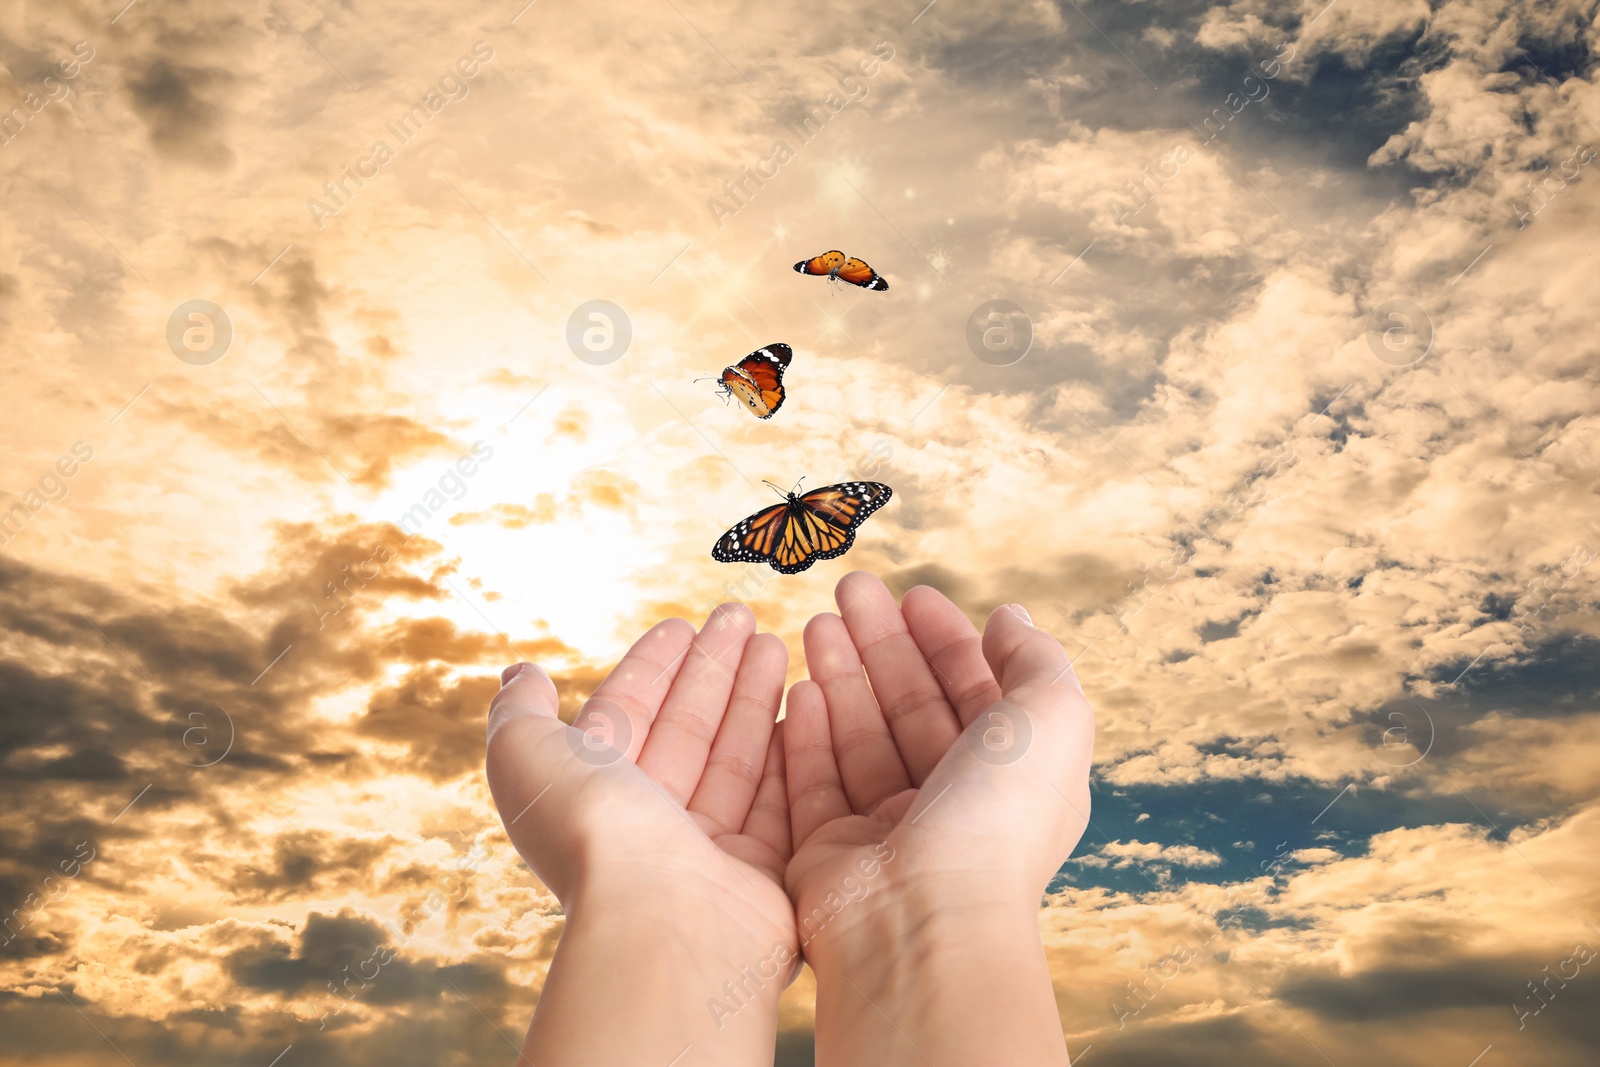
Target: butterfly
{"points": [[834, 265], [804, 528], [757, 379]]}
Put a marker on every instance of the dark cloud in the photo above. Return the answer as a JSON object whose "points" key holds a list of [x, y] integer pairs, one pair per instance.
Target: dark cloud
{"points": [[1217, 1042], [360, 957], [1391, 993], [301, 863], [10, 286], [1446, 980], [180, 106], [438, 1029], [440, 721], [180, 699]]}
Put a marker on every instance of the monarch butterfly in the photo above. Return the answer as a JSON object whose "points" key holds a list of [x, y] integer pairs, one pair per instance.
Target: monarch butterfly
{"points": [[835, 265], [804, 528], [757, 379]]}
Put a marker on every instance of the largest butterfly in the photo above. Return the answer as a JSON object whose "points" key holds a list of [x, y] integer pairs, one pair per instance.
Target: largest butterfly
{"points": [[804, 528]]}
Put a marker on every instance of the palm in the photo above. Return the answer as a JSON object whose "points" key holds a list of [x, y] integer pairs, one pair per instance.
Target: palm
{"points": [[666, 780], [890, 766]]}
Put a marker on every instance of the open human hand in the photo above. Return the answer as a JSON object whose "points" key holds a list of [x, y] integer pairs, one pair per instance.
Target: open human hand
{"points": [[937, 780], [659, 821]]}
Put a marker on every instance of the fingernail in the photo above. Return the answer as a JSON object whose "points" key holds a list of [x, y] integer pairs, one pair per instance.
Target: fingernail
{"points": [[724, 614], [510, 673], [1021, 613]]}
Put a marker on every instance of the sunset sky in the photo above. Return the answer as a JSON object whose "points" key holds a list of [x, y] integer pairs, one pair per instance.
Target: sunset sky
{"points": [[1293, 440]]}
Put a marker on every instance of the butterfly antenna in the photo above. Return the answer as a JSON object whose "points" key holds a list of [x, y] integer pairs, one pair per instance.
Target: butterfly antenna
{"points": [[774, 488], [797, 484], [722, 387]]}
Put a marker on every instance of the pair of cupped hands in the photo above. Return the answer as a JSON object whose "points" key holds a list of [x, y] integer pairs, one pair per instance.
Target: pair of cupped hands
{"points": [[896, 830]]}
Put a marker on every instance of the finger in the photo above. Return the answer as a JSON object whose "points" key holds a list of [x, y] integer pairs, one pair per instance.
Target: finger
{"points": [[953, 650], [816, 794], [768, 821], [525, 689], [913, 703], [680, 737], [626, 702], [869, 762], [1022, 657], [519, 763], [1044, 708], [734, 768]]}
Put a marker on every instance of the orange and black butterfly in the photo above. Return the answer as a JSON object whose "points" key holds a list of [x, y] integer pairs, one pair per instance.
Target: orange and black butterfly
{"points": [[757, 379], [804, 528], [835, 265]]}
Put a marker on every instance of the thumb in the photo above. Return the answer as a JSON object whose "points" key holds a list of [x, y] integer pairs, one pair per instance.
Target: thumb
{"points": [[1046, 720], [1023, 656], [1042, 704], [525, 690], [523, 757]]}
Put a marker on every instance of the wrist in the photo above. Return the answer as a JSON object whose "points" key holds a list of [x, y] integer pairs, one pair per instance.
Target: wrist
{"points": [[714, 947], [953, 967], [852, 903], [639, 976], [905, 929]]}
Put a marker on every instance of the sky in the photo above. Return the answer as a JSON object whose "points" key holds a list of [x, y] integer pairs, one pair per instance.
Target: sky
{"points": [[1249, 345]]}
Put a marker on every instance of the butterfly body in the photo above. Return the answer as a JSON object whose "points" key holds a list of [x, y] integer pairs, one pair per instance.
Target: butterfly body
{"points": [[805, 528], [757, 379], [834, 265]]}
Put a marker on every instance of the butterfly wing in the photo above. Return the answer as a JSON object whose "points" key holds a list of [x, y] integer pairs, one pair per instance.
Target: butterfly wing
{"points": [[777, 352], [856, 272], [752, 540], [826, 263], [807, 537], [757, 379], [822, 525], [847, 504]]}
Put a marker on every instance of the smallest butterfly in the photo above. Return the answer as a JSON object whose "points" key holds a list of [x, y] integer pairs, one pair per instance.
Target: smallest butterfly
{"points": [[757, 380], [835, 265]]}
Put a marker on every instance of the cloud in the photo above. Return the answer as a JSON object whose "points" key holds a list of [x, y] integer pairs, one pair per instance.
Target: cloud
{"points": [[1309, 581], [175, 102], [1339, 941], [1129, 853]]}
